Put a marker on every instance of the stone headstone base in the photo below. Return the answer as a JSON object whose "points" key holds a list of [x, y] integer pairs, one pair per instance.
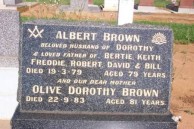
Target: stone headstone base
{"points": [[8, 92], [9, 62], [59, 121]]}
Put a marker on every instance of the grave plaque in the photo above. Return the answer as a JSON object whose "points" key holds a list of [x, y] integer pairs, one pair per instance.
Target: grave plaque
{"points": [[95, 68], [85, 75]]}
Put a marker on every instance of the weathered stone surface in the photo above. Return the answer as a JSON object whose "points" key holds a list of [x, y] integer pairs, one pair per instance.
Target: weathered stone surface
{"points": [[12, 2], [85, 67], [58, 121], [9, 38]]}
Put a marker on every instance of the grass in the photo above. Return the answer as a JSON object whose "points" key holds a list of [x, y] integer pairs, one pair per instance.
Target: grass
{"points": [[99, 2], [64, 2], [161, 3], [189, 112], [183, 33], [157, 3], [25, 19]]}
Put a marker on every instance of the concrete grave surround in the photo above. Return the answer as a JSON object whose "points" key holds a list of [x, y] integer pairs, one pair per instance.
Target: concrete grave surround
{"points": [[186, 10], [146, 6], [8, 92], [9, 47], [186, 7], [12, 2], [3, 6], [9, 38]]}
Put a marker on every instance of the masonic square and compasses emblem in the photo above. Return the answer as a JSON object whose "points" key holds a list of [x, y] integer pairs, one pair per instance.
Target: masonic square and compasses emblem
{"points": [[36, 32]]}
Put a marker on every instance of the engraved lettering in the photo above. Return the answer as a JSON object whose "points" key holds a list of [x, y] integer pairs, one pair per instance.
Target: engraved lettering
{"points": [[129, 83], [75, 55], [83, 46], [113, 73], [98, 82], [154, 75], [50, 54], [148, 57], [64, 81], [117, 56], [34, 70], [79, 81], [91, 91], [48, 62], [46, 89], [86, 64], [153, 102], [115, 101], [53, 45], [140, 92], [33, 99], [121, 37], [117, 65], [122, 47], [76, 35], [152, 66]]}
